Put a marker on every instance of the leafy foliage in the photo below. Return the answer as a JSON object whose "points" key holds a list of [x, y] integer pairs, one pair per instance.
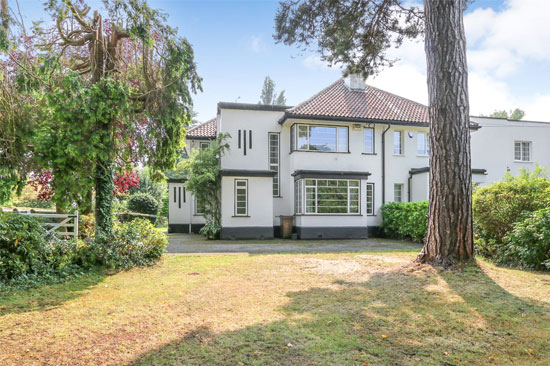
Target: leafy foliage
{"points": [[528, 244], [151, 186], [355, 33], [125, 181], [269, 96], [498, 207], [204, 180], [515, 115], [134, 243], [143, 203], [406, 220], [28, 254]]}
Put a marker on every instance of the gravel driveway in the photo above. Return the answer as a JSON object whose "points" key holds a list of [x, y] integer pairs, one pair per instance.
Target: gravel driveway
{"points": [[192, 243]]}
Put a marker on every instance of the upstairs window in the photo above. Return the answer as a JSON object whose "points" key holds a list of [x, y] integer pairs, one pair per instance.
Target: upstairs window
{"points": [[274, 161], [522, 151], [398, 142], [423, 143], [319, 138], [368, 140]]}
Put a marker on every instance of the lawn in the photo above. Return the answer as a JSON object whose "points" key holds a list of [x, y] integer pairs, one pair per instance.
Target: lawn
{"points": [[299, 309]]}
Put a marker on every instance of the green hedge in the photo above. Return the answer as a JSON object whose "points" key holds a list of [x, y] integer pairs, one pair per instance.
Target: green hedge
{"points": [[528, 244], [143, 203], [405, 220]]}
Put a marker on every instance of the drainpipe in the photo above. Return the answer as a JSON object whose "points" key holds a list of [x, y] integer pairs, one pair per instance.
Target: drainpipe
{"points": [[409, 187], [384, 165]]}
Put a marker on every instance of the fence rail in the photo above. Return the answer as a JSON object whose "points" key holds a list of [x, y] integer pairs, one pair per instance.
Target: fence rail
{"points": [[54, 222]]}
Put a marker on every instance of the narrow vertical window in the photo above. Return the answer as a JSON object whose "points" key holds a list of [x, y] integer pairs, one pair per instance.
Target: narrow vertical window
{"points": [[241, 197], [199, 207], [298, 196], [274, 161], [179, 197], [175, 195], [368, 138], [398, 142], [250, 139], [293, 138], [239, 139], [398, 192], [183, 194], [423, 143], [370, 198]]}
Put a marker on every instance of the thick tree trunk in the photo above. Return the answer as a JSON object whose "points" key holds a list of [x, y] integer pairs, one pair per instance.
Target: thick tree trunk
{"points": [[450, 233], [104, 196]]}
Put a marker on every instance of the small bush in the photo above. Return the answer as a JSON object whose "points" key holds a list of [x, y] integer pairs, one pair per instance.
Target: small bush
{"points": [[143, 203], [86, 227], [528, 244], [211, 231], [134, 243], [28, 254], [496, 208], [405, 220]]}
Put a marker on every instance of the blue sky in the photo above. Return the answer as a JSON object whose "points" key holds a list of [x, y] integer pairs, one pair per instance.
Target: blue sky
{"points": [[508, 55]]}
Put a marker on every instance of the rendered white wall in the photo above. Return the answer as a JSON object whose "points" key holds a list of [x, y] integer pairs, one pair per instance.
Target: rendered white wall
{"points": [[260, 202]]}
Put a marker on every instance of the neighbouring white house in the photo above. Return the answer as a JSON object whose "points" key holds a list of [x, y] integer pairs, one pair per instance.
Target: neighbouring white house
{"points": [[332, 161]]}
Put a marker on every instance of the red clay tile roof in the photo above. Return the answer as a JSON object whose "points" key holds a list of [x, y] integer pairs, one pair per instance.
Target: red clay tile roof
{"points": [[203, 131], [338, 101]]}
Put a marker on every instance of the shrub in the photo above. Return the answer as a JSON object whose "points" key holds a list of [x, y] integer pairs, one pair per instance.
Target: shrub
{"points": [[211, 231], [28, 254], [405, 220], [133, 243], [143, 203], [528, 244], [498, 207], [86, 227]]}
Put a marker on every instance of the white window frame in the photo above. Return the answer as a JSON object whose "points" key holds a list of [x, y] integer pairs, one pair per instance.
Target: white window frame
{"points": [[369, 195], [400, 186], [277, 165], [295, 131], [401, 150], [301, 190], [423, 150], [371, 147], [522, 145], [235, 197], [202, 143]]}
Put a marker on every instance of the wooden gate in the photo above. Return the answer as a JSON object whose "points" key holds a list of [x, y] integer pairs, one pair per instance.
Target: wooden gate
{"points": [[57, 223]]}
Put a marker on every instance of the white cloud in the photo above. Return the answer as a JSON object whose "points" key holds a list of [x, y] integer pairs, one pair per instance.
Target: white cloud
{"points": [[314, 62], [256, 44]]}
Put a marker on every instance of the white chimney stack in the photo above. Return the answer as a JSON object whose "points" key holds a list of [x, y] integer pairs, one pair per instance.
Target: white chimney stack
{"points": [[355, 82]]}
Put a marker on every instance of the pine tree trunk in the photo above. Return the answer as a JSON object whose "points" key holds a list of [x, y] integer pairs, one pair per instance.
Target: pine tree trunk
{"points": [[450, 233], [104, 196]]}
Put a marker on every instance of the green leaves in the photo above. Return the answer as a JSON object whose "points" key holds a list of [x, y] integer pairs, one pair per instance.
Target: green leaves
{"points": [[406, 220]]}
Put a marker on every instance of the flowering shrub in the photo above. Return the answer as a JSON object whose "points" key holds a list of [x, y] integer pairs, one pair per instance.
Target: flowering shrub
{"points": [[41, 182], [125, 181]]}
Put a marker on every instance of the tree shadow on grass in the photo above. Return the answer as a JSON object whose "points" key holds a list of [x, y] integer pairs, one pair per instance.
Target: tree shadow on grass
{"points": [[424, 317], [48, 296]]}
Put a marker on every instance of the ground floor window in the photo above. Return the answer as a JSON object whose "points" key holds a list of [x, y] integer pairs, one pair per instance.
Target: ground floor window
{"points": [[199, 207], [241, 197], [327, 196], [369, 193], [398, 192]]}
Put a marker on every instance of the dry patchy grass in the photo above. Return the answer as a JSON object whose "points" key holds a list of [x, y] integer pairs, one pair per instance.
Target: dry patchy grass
{"points": [[324, 309]]}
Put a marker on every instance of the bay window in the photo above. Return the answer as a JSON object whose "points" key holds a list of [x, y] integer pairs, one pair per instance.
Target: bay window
{"points": [[326, 196]]}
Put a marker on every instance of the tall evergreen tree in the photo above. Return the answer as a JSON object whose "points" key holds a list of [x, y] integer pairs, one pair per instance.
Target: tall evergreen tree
{"points": [[268, 94], [357, 34]]}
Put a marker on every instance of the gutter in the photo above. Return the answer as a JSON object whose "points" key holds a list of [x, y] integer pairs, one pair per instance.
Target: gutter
{"points": [[384, 164]]}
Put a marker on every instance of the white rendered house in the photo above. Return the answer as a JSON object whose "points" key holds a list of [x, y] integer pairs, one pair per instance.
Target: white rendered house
{"points": [[332, 161]]}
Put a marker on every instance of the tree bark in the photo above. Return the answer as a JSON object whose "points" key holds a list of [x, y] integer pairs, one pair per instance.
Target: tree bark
{"points": [[450, 228]]}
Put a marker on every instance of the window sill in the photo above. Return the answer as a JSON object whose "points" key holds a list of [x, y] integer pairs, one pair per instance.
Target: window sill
{"points": [[327, 214], [319, 151], [399, 155], [240, 216], [369, 153], [422, 156], [201, 215], [277, 196], [524, 161]]}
